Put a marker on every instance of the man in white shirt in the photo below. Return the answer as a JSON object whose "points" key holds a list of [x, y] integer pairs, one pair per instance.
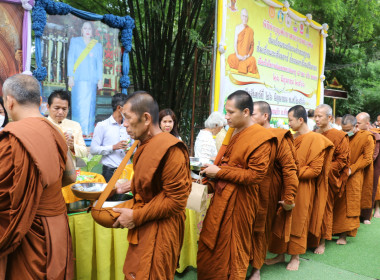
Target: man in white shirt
{"points": [[337, 123], [310, 119], [58, 107], [111, 139]]}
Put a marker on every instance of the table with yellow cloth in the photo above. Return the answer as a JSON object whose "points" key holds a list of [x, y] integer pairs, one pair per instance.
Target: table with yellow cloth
{"points": [[68, 194], [100, 252]]}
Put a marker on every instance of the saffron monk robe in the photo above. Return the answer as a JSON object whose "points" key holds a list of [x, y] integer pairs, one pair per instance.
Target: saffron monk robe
{"points": [[160, 186], [377, 195], [314, 154], [242, 60], [35, 241], [338, 174], [225, 246], [277, 191], [363, 119], [347, 206]]}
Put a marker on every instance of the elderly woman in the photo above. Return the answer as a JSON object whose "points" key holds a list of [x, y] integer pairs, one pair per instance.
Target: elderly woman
{"points": [[3, 115], [205, 147]]}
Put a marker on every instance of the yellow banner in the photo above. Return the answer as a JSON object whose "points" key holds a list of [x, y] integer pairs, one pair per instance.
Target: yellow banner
{"points": [[271, 52]]}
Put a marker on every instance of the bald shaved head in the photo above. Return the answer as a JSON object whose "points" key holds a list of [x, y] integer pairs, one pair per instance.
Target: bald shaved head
{"points": [[323, 116], [140, 114], [349, 124], [364, 116], [348, 119], [261, 113], [264, 108], [142, 102], [24, 88], [22, 97], [363, 120], [244, 16], [325, 108]]}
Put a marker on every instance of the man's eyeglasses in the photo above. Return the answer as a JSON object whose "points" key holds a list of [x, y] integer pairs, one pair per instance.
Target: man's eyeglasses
{"points": [[124, 118]]}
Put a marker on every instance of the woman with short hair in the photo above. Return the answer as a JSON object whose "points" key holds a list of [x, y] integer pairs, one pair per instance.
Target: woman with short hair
{"points": [[205, 146]]}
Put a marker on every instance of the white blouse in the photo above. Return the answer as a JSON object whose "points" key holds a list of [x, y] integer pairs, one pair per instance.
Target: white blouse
{"points": [[205, 147]]}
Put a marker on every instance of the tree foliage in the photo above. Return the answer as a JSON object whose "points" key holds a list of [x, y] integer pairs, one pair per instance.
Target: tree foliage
{"points": [[352, 54], [168, 33], [167, 36]]}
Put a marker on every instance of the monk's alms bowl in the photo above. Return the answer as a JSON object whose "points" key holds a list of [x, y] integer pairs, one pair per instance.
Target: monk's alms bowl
{"points": [[90, 191], [115, 200], [78, 206]]}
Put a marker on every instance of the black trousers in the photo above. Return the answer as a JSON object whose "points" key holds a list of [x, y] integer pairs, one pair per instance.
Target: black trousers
{"points": [[108, 172]]}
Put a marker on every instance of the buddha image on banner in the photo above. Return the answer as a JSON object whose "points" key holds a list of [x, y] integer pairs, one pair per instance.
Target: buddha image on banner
{"points": [[83, 57], [11, 19], [270, 55]]}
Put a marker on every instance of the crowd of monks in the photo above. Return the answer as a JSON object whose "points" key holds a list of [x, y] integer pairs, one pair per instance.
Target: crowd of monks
{"points": [[273, 189], [337, 172], [318, 184]]}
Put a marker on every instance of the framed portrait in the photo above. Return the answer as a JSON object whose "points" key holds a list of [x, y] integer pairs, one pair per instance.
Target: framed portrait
{"points": [[11, 26], [85, 58], [83, 53]]}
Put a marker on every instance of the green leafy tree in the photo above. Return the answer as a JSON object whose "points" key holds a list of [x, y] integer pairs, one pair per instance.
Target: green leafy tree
{"points": [[171, 54], [352, 48]]}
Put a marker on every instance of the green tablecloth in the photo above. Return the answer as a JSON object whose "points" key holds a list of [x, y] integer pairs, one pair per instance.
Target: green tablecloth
{"points": [[100, 252]]}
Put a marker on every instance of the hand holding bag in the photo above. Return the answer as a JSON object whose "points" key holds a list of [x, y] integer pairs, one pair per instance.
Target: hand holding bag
{"points": [[105, 216], [197, 199]]}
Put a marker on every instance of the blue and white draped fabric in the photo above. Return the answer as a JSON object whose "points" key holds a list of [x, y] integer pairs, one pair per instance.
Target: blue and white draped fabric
{"points": [[125, 24]]}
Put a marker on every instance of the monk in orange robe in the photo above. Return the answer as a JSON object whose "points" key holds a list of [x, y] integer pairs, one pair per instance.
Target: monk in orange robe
{"points": [[376, 214], [338, 174], [225, 246], [277, 191], [35, 241], [242, 60], [314, 154], [364, 123], [347, 206], [160, 185], [376, 129]]}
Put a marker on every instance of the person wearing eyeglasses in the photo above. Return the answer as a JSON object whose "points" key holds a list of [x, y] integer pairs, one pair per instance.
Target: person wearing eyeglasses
{"points": [[111, 139]]}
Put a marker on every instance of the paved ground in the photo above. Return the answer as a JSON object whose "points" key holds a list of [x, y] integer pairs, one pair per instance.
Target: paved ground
{"points": [[358, 260]]}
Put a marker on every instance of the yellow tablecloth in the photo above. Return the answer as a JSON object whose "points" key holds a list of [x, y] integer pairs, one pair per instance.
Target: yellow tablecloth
{"points": [[68, 194], [70, 197], [100, 252]]}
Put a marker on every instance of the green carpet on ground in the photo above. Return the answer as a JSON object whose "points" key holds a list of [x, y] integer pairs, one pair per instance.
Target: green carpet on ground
{"points": [[361, 254], [358, 260]]}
